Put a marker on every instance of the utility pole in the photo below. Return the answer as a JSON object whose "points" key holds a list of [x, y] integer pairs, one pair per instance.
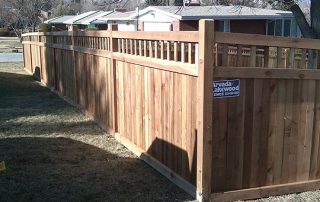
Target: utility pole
{"points": [[137, 14]]}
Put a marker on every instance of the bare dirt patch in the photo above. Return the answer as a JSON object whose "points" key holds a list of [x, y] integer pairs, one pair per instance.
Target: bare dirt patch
{"points": [[54, 153]]}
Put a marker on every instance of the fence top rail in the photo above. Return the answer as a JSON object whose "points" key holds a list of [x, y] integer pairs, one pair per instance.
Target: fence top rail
{"points": [[185, 36], [262, 40], [35, 34], [68, 33], [192, 36]]}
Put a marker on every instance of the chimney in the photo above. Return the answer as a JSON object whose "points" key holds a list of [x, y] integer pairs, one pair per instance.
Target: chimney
{"points": [[122, 10], [178, 2], [192, 3]]}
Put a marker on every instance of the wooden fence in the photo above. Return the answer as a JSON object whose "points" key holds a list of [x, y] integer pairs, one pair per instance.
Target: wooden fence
{"points": [[154, 93]]}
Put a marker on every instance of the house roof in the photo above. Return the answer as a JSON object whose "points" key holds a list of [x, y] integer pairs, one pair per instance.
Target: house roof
{"points": [[217, 12], [59, 20], [79, 17], [89, 19], [116, 15], [121, 15]]}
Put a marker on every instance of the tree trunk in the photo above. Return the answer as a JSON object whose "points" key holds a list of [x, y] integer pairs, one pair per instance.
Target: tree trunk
{"points": [[315, 17], [308, 31], [33, 27], [18, 34], [304, 26]]}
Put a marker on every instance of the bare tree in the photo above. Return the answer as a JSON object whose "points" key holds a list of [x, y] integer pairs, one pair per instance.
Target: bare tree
{"points": [[20, 15], [12, 17], [63, 8], [112, 4]]}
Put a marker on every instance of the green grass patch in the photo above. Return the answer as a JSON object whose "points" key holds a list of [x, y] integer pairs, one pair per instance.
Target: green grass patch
{"points": [[7, 45]]}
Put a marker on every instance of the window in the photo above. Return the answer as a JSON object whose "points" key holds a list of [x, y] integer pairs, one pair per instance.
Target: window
{"points": [[220, 26], [224, 26], [295, 30], [278, 28], [283, 27], [287, 28], [270, 27]]}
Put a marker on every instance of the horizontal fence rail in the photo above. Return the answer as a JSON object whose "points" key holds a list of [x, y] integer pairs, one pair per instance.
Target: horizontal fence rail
{"points": [[141, 87], [154, 92], [266, 140], [246, 50]]}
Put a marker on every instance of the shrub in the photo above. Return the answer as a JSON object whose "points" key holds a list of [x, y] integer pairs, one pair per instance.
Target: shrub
{"points": [[12, 34], [4, 32], [91, 27]]}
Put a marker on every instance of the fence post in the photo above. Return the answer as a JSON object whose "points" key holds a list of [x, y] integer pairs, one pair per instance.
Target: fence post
{"points": [[53, 71], [204, 118], [73, 44], [114, 48]]}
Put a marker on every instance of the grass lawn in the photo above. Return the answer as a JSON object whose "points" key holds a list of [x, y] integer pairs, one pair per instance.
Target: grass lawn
{"points": [[54, 153], [7, 44]]}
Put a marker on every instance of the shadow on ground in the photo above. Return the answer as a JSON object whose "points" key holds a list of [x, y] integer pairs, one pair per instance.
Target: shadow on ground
{"points": [[25, 96], [61, 169], [54, 153]]}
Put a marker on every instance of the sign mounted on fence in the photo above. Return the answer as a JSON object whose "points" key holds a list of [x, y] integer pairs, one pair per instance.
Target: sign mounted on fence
{"points": [[226, 88]]}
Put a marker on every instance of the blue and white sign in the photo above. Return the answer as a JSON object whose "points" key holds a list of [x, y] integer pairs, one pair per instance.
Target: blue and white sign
{"points": [[226, 88]]}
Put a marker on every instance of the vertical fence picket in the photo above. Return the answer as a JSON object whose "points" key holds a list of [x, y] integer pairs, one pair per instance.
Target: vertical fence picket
{"points": [[279, 58], [168, 51], [253, 56], [315, 59], [175, 51], [190, 53], [239, 55], [276, 109]]}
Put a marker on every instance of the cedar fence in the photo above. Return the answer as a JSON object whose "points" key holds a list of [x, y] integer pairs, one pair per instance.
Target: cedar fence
{"points": [[154, 93]]}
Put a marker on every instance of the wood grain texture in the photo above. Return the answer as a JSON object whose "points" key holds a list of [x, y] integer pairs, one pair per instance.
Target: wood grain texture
{"points": [[154, 92], [204, 120]]}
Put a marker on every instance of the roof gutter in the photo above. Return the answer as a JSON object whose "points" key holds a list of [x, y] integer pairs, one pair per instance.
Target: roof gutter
{"points": [[235, 17]]}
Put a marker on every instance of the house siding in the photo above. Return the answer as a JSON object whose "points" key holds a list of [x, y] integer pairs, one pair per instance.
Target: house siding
{"points": [[248, 26], [189, 25], [236, 26], [59, 27], [176, 26]]}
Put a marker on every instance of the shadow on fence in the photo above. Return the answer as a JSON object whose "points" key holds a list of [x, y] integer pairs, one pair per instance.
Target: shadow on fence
{"points": [[176, 158]]}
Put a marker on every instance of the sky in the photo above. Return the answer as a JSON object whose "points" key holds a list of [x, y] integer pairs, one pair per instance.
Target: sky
{"points": [[305, 3]]}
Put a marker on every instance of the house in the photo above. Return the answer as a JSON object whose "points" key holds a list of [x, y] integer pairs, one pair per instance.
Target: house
{"points": [[94, 19], [70, 21], [124, 21], [58, 23], [238, 19], [87, 21], [73, 21], [2, 23]]}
